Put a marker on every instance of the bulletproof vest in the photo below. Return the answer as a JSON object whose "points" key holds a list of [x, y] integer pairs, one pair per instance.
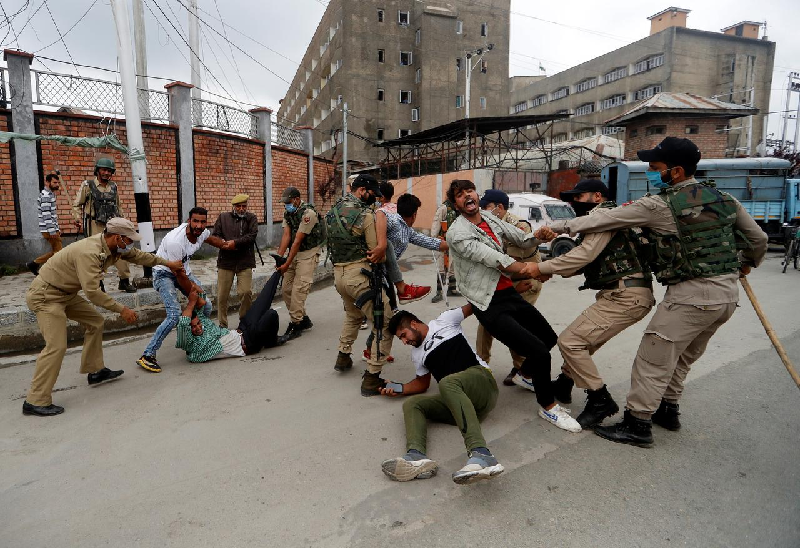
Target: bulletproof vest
{"points": [[317, 235], [343, 245], [705, 245], [620, 258], [104, 203], [449, 217]]}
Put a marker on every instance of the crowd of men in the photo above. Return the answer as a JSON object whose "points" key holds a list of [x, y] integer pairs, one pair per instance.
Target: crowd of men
{"points": [[689, 236]]}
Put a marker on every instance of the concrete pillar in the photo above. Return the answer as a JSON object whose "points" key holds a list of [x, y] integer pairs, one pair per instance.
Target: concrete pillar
{"points": [[264, 116], [308, 143], [26, 164], [180, 114], [439, 190]]}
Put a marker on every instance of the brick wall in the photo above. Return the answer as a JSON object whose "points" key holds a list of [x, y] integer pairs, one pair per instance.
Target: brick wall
{"points": [[324, 170], [711, 143], [225, 166], [77, 164], [289, 168], [8, 215]]}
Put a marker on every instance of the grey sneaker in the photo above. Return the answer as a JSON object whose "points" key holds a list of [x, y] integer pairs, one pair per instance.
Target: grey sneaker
{"points": [[412, 465], [480, 466]]}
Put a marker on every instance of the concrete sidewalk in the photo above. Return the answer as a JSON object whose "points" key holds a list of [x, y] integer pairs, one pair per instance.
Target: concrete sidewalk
{"points": [[19, 330]]}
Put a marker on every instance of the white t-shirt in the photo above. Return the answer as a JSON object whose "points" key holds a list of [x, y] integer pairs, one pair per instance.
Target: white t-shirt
{"points": [[231, 345], [445, 349], [176, 247]]}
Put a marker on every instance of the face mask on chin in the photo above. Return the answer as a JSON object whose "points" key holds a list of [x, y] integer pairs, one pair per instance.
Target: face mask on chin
{"points": [[583, 208]]}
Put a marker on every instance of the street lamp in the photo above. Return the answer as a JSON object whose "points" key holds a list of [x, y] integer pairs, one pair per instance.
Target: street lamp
{"points": [[479, 53]]}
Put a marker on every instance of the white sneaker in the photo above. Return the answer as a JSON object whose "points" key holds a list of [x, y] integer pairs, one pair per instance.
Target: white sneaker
{"points": [[410, 466], [560, 417], [521, 381], [479, 467]]}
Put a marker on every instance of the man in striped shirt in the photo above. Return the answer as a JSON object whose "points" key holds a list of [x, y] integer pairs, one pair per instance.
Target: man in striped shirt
{"points": [[48, 221]]}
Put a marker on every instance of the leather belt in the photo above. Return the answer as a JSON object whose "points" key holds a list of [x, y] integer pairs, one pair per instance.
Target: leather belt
{"points": [[631, 282]]}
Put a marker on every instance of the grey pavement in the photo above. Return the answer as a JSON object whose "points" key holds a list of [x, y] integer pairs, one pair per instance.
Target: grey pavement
{"points": [[277, 449]]}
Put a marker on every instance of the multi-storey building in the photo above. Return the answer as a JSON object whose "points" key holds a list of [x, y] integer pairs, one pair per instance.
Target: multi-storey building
{"points": [[734, 66], [400, 65]]}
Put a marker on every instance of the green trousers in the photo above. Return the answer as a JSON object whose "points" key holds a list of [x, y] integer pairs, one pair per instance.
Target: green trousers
{"points": [[464, 399]]}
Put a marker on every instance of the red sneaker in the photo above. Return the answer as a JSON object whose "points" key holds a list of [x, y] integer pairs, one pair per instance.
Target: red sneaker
{"points": [[366, 354], [413, 293]]}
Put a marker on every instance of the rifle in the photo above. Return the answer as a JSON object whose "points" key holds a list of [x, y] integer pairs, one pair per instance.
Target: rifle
{"points": [[377, 285]]}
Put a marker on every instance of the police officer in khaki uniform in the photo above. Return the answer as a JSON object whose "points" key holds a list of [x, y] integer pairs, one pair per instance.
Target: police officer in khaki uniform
{"points": [[97, 202], [445, 215], [612, 264], [496, 202], [354, 243], [306, 235], [694, 230], [53, 297]]}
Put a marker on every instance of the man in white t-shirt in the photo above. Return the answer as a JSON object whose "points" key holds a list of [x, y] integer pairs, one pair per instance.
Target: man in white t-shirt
{"points": [[467, 393], [179, 244]]}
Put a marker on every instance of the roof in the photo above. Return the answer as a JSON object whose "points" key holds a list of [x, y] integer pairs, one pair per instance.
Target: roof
{"points": [[669, 10], [685, 104], [742, 23], [486, 125]]}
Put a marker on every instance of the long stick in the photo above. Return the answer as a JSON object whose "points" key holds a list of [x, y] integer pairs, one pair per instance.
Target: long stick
{"points": [[770, 332]]}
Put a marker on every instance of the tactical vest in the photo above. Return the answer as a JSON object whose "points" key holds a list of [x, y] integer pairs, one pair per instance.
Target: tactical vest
{"points": [[104, 203], [705, 245], [343, 245], [449, 217], [620, 258], [317, 235]]}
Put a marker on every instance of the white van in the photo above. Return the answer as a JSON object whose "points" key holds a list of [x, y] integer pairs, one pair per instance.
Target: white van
{"points": [[538, 210]]}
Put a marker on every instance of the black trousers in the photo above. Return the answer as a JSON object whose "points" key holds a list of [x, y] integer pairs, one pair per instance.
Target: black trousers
{"points": [[518, 325], [259, 326]]}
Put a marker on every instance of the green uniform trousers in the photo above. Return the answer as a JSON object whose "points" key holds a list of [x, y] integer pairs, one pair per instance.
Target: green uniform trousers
{"points": [[464, 399]]}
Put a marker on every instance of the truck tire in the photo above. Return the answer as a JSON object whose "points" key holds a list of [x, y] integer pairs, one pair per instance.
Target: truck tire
{"points": [[561, 246]]}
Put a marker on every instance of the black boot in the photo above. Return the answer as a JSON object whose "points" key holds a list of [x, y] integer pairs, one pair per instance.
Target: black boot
{"points": [[343, 362], [371, 384], [599, 405], [126, 285], [292, 332], [305, 323], [509, 380], [667, 416], [102, 286], [630, 430], [33, 267], [562, 388]]}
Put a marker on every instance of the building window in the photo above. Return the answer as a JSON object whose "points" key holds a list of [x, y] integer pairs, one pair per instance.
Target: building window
{"points": [[656, 130], [484, 29], [519, 107], [583, 85], [611, 130], [380, 16], [615, 74], [484, 66], [381, 56], [380, 94], [405, 58], [646, 93], [649, 63], [458, 64], [564, 111], [418, 76], [403, 133], [633, 133], [560, 93], [418, 36], [380, 134], [402, 18], [459, 101], [459, 27], [614, 101], [483, 103], [415, 114], [539, 100], [586, 108], [692, 130], [584, 133], [405, 97], [559, 137]]}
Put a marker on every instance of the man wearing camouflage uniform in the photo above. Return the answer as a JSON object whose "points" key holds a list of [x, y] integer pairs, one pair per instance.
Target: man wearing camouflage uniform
{"points": [[496, 202], [694, 230], [354, 243], [612, 264], [442, 219], [97, 202]]}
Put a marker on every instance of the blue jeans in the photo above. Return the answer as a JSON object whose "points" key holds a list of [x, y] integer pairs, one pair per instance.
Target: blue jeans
{"points": [[166, 285]]}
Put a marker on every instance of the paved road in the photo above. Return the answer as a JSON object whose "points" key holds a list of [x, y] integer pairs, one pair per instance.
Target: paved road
{"points": [[279, 450]]}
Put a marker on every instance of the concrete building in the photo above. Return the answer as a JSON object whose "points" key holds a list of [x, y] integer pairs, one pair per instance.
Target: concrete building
{"points": [[734, 66], [400, 67]]}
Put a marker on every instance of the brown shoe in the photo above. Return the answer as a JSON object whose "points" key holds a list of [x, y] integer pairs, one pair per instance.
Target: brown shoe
{"points": [[371, 384], [509, 380], [343, 362]]}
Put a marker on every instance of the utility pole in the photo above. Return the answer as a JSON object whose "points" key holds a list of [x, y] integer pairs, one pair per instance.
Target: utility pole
{"points": [[140, 43], [194, 46], [344, 149], [480, 52], [133, 127]]}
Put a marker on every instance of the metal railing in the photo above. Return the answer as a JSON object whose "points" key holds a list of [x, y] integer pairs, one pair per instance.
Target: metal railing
{"points": [[207, 114], [287, 137]]}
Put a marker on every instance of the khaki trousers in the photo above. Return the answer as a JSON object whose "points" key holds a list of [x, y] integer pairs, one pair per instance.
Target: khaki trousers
{"points": [[483, 340], [351, 283], [614, 311], [52, 308], [123, 267], [675, 338], [297, 284], [244, 286], [55, 246]]}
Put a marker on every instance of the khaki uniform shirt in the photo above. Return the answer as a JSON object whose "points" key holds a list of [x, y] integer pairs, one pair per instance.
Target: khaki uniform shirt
{"points": [[368, 229], [654, 213], [83, 201], [307, 224], [81, 265], [529, 255]]}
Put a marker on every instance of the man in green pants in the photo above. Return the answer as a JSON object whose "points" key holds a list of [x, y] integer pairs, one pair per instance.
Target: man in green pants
{"points": [[467, 393]]}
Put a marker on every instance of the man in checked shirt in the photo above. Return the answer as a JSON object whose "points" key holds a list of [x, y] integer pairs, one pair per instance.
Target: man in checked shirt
{"points": [[48, 221]]}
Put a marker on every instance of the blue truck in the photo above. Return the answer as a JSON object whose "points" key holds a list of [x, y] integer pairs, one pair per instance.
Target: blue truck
{"points": [[760, 184]]}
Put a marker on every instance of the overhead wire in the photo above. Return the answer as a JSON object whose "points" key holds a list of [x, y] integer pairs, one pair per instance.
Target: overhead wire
{"points": [[233, 56], [10, 26], [61, 36], [68, 30]]}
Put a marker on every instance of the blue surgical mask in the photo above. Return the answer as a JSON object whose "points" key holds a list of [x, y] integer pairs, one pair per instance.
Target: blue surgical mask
{"points": [[127, 249], [654, 178], [291, 208]]}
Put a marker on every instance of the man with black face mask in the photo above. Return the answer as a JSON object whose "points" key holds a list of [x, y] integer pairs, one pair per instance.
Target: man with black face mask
{"points": [[610, 262]]}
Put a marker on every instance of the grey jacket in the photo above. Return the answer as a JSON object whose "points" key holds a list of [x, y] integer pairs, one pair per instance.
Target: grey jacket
{"points": [[477, 258]]}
